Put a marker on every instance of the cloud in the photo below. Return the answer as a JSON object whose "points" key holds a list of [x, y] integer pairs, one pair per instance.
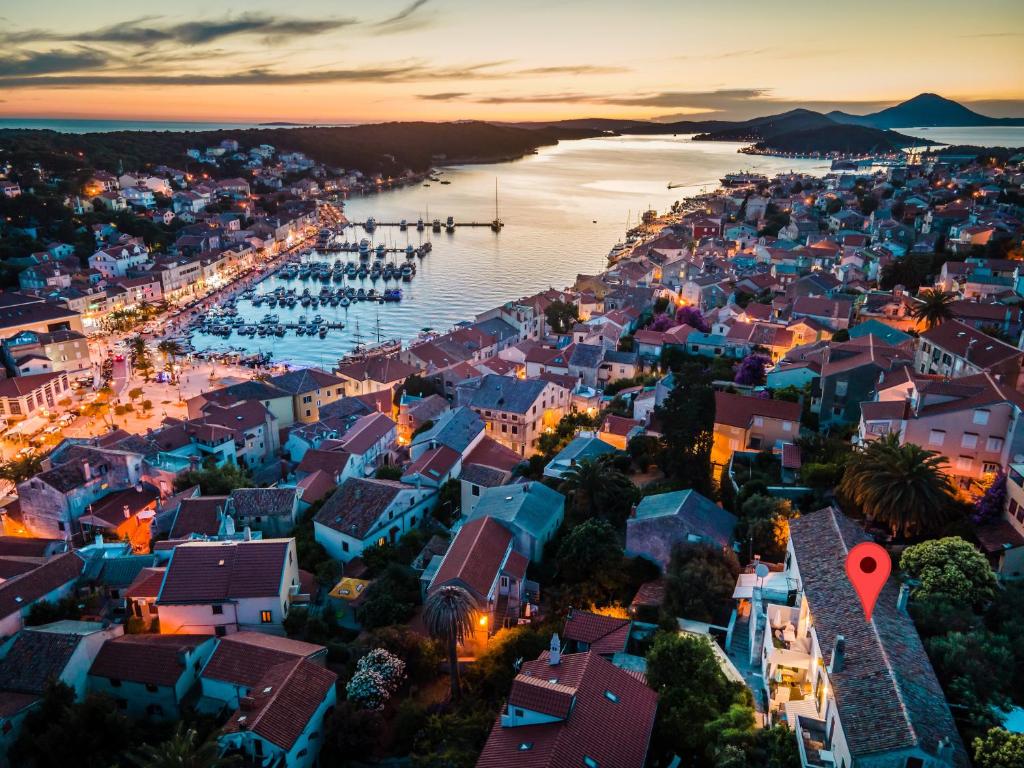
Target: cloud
{"points": [[405, 20], [570, 69], [443, 96], [147, 30], [32, 63], [994, 34]]}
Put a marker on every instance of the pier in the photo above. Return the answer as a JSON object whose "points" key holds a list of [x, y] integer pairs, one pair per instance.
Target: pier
{"points": [[426, 225]]}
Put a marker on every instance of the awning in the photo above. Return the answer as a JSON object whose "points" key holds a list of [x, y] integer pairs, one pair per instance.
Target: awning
{"points": [[793, 659], [29, 426]]}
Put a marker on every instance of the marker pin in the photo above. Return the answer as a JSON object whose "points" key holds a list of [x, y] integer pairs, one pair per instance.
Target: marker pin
{"points": [[868, 567]]}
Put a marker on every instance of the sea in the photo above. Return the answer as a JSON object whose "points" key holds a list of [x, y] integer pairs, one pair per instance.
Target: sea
{"points": [[563, 208]]}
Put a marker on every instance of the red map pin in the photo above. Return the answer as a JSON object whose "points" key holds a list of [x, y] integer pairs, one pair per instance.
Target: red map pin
{"points": [[868, 567]]}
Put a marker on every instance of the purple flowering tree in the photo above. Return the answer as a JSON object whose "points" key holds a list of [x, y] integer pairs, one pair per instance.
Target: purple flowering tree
{"points": [[662, 323], [751, 372], [989, 507], [693, 318]]}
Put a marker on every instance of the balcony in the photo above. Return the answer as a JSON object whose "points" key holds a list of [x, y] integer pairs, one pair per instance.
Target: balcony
{"points": [[811, 739]]}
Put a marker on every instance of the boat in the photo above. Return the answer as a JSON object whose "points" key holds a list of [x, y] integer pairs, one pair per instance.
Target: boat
{"points": [[617, 251], [743, 179], [403, 225], [497, 223], [448, 182], [419, 225], [344, 301], [381, 250], [364, 248], [370, 225], [436, 225], [323, 332], [449, 225]]}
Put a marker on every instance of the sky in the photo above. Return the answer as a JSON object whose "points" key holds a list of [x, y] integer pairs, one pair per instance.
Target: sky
{"points": [[341, 61]]}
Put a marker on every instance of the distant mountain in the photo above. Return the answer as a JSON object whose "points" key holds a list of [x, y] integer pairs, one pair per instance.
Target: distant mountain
{"points": [[836, 137], [924, 110], [760, 128]]}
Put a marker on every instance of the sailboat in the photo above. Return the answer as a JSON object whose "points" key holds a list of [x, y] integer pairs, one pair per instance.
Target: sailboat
{"points": [[497, 224]]}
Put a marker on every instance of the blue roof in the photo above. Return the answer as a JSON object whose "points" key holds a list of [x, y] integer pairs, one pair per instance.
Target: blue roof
{"points": [[583, 448], [877, 328], [456, 429], [533, 507]]}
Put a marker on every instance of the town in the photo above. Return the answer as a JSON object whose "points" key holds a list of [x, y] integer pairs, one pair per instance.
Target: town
{"points": [[603, 526]]}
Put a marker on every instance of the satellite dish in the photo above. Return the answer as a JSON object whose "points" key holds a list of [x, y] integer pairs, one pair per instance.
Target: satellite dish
{"points": [[761, 571]]}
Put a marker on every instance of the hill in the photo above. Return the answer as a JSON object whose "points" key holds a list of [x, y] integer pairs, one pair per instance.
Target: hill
{"points": [[388, 148], [924, 110], [849, 139]]}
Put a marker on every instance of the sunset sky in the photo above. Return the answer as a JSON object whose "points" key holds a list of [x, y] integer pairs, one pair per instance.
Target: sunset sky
{"points": [[337, 62]]}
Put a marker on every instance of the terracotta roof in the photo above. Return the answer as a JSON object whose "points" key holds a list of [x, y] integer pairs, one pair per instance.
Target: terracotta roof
{"points": [[604, 634], [619, 425], [490, 453], [154, 659], [434, 464], [283, 701], [366, 432], [356, 505], [212, 572], [243, 657], [985, 351], [739, 411], [304, 380], [35, 658], [198, 515], [263, 502], [21, 591], [111, 508], [332, 463], [791, 456], [887, 694], [146, 584], [475, 556], [609, 721], [383, 370], [23, 385], [24, 546], [315, 486]]}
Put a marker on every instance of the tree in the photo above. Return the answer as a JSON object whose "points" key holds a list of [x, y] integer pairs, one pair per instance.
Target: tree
{"points": [[591, 550], [688, 420], [692, 317], [999, 749], [903, 487], [751, 372], [448, 616], [764, 525], [934, 307], [183, 750], [388, 472], [972, 668], [215, 481], [561, 316], [19, 470], [391, 598], [599, 489], [171, 350], [140, 357], [699, 582], [378, 675], [989, 508], [692, 692], [952, 567], [662, 323]]}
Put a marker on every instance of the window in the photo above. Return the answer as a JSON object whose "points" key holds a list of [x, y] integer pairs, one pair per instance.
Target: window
{"points": [[589, 762], [151, 687], [115, 683], [936, 437], [302, 753], [963, 462], [841, 388], [266, 617], [994, 444], [970, 440], [981, 416], [519, 713], [915, 762], [758, 421], [220, 630], [476, 490], [344, 546], [217, 610]]}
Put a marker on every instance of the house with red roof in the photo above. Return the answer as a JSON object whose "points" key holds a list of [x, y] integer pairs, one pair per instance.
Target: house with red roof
{"points": [[227, 586], [150, 675], [48, 582], [374, 375], [604, 635], [751, 423], [575, 709], [366, 512], [482, 560]]}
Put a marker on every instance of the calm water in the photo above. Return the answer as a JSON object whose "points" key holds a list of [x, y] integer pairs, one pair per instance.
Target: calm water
{"points": [[1009, 136], [563, 209]]}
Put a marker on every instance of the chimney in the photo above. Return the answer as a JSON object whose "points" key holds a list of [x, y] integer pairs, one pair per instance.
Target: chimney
{"points": [[555, 651], [903, 598], [838, 654], [86, 471], [99, 539], [944, 750], [247, 534], [246, 703]]}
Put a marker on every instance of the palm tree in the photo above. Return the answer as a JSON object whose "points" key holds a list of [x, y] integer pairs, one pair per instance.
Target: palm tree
{"points": [[597, 487], [934, 307], [170, 349], [183, 751], [901, 486], [448, 616]]}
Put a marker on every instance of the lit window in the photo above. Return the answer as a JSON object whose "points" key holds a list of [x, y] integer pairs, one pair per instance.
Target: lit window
{"points": [[266, 617]]}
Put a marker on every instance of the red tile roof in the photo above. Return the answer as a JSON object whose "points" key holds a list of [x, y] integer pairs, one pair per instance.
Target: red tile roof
{"points": [[146, 584], [21, 591], [366, 432], [331, 462], [739, 411], [619, 425], [610, 720], [155, 659], [242, 658], [490, 453], [283, 701], [199, 514], [604, 634], [210, 572], [475, 556], [315, 486], [434, 464]]}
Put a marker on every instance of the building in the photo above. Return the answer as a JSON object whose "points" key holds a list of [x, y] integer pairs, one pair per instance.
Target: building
{"points": [[224, 587], [483, 561], [59, 351], [20, 312], [664, 521], [46, 583], [118, 260], [310, 388], [531, 511], [375, 374], [365, 513], [150, 675], [575, 709], [751, 423], [24, 397], [579, 449], [515, 411], [868, 696], [1003, 540], [954, 349]]}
